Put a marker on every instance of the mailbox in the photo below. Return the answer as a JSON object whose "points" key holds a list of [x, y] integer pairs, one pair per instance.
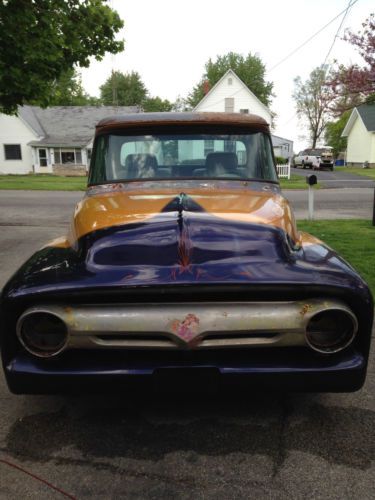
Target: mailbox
{"points": [[311, 180]]}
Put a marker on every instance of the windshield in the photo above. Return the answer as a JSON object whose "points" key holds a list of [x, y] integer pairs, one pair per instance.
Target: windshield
{"points": [[126, 158]]}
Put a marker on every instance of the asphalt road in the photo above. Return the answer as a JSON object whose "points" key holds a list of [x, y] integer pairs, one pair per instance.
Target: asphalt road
{"points": [[336, 179], [260, 446]]}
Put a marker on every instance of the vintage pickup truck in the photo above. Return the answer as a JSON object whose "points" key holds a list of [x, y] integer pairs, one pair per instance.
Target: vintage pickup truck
{"points": [[183, 264]]}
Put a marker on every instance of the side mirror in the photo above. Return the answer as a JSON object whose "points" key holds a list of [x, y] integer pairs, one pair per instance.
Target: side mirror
{"points": [[311, 180]]}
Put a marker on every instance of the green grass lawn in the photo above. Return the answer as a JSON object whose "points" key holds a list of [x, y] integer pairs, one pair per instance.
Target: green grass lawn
{"points": [[353, 239], [295, 182], [365, 172], [43, 182]]}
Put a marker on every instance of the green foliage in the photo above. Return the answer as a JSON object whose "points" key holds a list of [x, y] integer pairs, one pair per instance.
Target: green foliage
{"points": [[280, 160], [180, 105], [313, 99], [157, 104], [333, 134], [250, 69], [128, 89], [123, 89], [68, 91], [43, 39]]}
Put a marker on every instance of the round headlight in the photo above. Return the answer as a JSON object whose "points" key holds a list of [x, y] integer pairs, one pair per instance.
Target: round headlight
{"points": [[331, 331], [43, 334]]}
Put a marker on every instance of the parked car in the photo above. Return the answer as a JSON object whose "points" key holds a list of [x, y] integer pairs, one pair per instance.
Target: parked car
{"points": [[183, 263], [317, 159]]}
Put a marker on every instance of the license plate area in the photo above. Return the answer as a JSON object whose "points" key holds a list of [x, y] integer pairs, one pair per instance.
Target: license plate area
{"points": [[187, 380]]}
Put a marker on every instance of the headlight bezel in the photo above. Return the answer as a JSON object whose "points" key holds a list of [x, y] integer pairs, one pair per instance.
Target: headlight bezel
{"points": [[33, 320]]}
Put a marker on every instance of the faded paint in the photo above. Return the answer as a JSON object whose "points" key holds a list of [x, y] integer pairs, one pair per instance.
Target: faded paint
{"points": [[306, 308], [187, 328], [144, 120], [118, 208]]}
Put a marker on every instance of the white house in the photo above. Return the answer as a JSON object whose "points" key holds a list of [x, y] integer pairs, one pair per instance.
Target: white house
{"points": [[360, 131], [230, 94], [52, 140], [282, 147]]}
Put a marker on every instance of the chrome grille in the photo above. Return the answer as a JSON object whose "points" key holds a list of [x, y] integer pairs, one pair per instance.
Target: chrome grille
{"points": [[171, 326]]}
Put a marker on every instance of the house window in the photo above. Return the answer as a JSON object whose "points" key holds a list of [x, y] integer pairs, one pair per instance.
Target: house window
{"points": [[230, 81], [42, 153], [230, 146], [229, 104], [244, 111], [12, 152], [67, 157], [208, 147], [241, 156], [57, 156], [64, 156]]}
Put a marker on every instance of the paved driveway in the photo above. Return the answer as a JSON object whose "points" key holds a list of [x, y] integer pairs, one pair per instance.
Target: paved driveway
{"points": [[277, 446]]}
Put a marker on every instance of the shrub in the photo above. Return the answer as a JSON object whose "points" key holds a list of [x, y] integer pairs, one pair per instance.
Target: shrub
{"points": [[280, 160]]}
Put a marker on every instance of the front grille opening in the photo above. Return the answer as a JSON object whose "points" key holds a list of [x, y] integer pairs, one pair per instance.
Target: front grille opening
{"points": [[240, 335], [133, 337], [135, 340]]}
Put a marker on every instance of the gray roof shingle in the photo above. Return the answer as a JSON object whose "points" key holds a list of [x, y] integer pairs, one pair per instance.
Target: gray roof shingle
{"points": [[367, 113], [68, 126]]}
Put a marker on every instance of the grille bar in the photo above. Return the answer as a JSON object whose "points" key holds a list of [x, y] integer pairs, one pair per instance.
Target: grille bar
{"points": [[168, 326]]}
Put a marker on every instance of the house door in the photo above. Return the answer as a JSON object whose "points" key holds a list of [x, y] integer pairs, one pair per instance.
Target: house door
{"points": [[42, 156]]}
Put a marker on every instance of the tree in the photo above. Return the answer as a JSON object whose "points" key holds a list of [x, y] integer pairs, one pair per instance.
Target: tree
{"points": [[333, 134], [157, 104], [68, 91], [313, 99], [180, 105], [250, 69], [355, 84], [128, 89], [123, 89], [41, 40]]}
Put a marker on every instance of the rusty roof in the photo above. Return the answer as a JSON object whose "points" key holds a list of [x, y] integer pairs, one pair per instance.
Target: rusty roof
{"points": [[157, 119]]}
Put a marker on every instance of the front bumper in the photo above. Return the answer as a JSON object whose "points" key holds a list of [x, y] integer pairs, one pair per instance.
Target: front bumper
{"points": [[284, 369]]}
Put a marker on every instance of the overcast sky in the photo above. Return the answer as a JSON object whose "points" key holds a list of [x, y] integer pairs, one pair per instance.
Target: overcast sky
{"points": [[169, 41]]}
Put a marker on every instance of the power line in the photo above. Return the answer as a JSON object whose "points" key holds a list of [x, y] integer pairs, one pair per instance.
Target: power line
{"points": [[350, 4], [312, 36]]}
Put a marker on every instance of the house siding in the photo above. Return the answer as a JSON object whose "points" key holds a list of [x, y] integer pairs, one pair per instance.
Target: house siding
{"points": [[282, 147], [372, 154], [243, 99], [360, 144], [14, 131]]}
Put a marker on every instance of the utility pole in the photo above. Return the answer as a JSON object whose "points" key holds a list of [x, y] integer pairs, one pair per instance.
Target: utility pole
{"points": [[114, 89]]}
